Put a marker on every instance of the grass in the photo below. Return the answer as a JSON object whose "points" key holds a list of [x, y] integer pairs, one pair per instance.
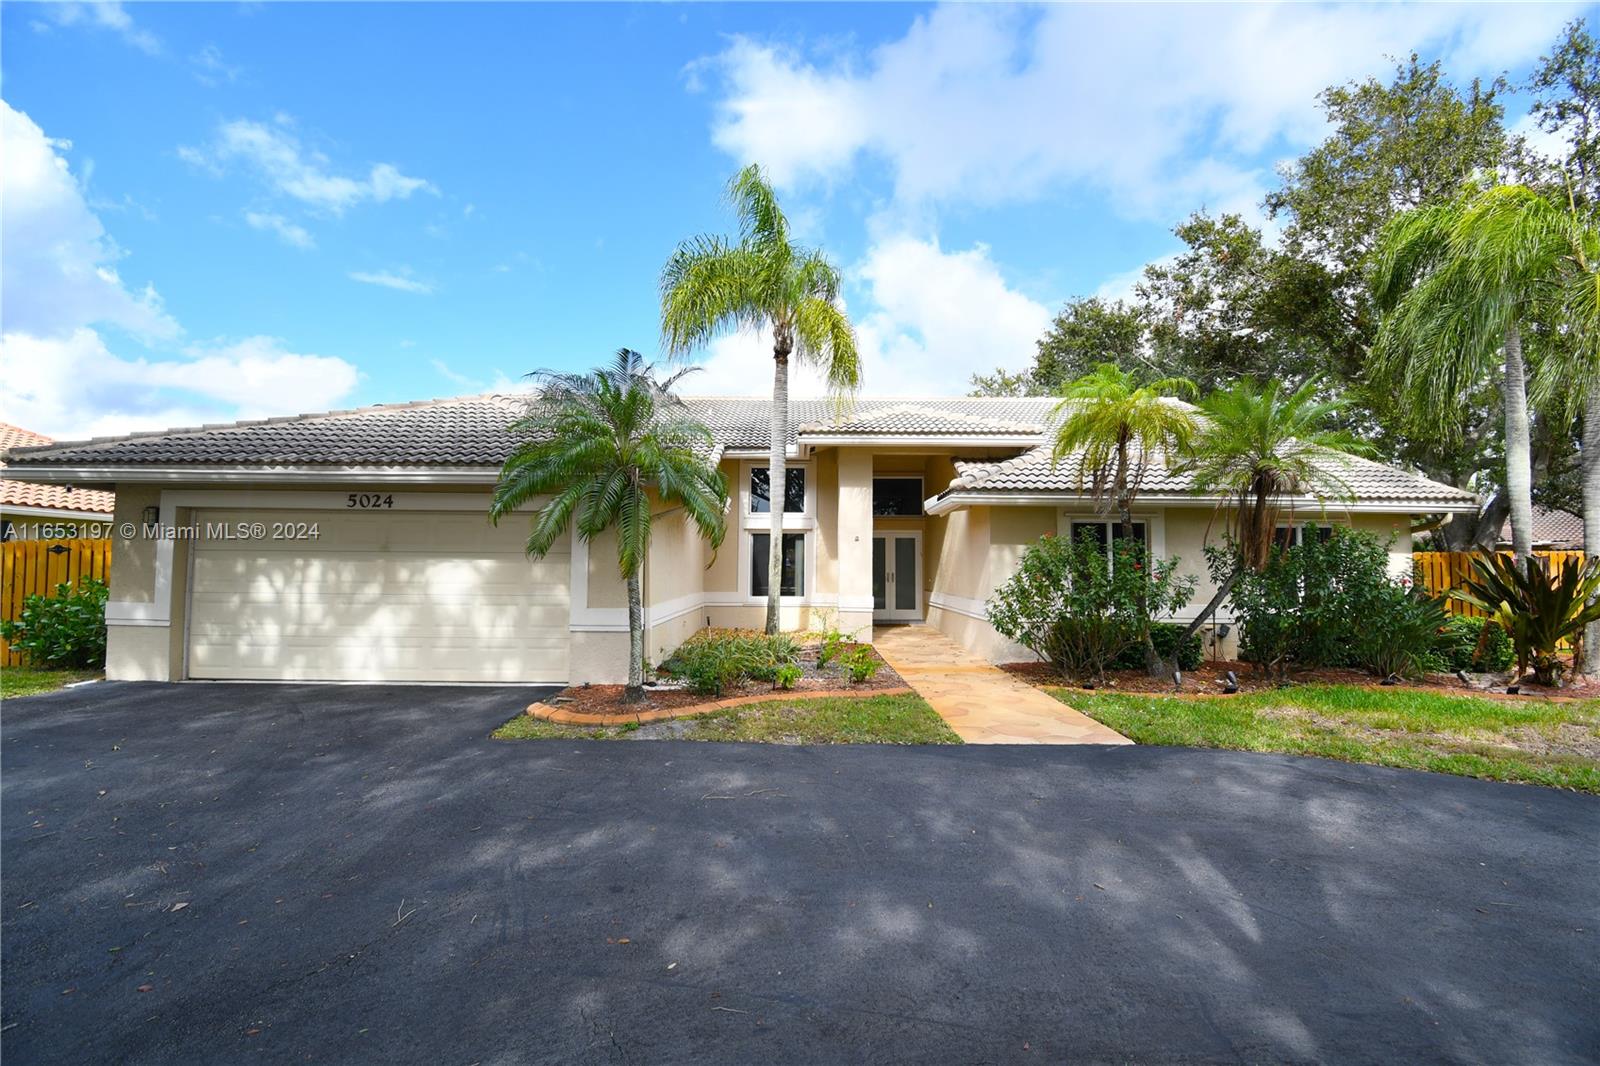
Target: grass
{"points": [[900, 719], [25, 681], [1535, 742]]}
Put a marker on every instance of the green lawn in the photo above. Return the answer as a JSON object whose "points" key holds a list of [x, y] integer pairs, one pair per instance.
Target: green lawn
{"points": [[1533, 741], [868, 720], [25, 681]]}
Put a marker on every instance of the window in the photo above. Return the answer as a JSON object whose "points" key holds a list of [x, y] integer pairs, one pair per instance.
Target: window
{"points": [[793, 580], [1106, 531], [794, 496], [897, 497], [1283, 536]]}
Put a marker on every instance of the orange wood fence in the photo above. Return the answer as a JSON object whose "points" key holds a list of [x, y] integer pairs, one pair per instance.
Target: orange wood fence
{"points": [[37, 567], [1439, 572]]}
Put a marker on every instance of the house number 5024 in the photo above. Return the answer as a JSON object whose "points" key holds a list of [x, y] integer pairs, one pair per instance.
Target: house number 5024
{"points": [[369, 500]]}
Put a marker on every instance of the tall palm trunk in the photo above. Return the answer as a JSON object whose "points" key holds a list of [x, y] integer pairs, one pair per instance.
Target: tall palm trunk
{"points": [[1519, 450], [635, 637], [1591, 511], [777, 474]]}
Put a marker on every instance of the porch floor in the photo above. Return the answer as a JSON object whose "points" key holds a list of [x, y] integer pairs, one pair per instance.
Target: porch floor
{"points": [[982, 703]]}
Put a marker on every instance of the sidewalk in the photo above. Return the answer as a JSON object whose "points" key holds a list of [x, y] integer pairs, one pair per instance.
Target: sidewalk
{"points": [[982, 703]]}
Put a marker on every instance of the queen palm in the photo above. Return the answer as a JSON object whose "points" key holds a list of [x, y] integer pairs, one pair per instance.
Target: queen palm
{"points": [[712, 286], [1460, 282], [601, 445], [1259, 450], [1116, 428]]}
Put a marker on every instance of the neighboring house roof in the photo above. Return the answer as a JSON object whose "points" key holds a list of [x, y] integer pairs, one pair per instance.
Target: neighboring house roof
{"points": [[471, 432], [1558, 530], [1035, 472], [14, 494]]}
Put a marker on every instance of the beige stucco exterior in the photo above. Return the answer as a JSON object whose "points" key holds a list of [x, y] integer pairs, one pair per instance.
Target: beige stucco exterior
{"points": [[964, 554]]}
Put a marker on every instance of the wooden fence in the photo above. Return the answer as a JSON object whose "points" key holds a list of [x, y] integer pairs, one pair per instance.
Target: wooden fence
{"points": [[36, 567], [1439, 572]]}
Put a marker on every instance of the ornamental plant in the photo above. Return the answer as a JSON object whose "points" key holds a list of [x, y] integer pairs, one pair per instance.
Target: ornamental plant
{"points": [[67, 630], [1078, 607], [1537, 606]]}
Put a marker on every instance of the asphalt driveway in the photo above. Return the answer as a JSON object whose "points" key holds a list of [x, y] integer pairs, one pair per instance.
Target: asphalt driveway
{"points": [[229, 873]]}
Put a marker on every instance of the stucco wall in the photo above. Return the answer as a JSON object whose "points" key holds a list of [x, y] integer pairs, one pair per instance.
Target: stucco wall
{"points": [[674, 583]]}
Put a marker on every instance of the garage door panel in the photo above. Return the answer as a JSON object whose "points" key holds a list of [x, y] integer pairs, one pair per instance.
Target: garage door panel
{"points": [[416, 596]]}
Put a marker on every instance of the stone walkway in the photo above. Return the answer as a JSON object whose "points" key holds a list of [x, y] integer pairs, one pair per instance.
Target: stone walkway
{"points": [[982, 703]]}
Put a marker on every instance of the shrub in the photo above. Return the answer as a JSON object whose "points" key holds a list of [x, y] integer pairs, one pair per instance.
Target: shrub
{"points": [[1164, 635], [860, 663], [67, 630], [785, 676], [1472, 644], [715, 660], [1400, 633], [1331, 603], [1077, 609]]}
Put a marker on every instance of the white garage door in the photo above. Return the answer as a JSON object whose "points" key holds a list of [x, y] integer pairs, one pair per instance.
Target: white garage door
{"points": [[377, 596]]}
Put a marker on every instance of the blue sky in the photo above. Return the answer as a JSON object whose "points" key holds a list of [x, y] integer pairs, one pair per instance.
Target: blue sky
{"points": [[215, 211]]}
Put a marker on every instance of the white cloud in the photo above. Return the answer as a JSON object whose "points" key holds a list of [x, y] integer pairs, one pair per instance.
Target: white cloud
{"points": [[105, 15], [290, 169], [60, 291], [1162, 108], [74, 386], [59, 267], [290, 233], [211, 69], [937, 318], [401, 281], [1552, 146]]}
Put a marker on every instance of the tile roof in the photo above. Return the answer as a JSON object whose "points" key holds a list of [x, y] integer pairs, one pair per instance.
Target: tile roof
{"points": [[932, 420], [465, 431], [1559, 530], [51, 497], [471, 431], [1035, 471]]}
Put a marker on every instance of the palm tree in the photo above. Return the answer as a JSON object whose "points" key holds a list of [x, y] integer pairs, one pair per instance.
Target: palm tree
{"points": [[1567, 383], [599, 444], [712, 286], [1459, 282], [1258, 450], [1116, 428]]}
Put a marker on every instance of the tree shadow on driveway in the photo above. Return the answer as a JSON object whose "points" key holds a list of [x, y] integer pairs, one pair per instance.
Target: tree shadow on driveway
{"points": [[366, 877]]}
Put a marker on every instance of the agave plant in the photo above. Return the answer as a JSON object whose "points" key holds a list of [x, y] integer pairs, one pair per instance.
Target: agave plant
{"points": [[1537, 609]]}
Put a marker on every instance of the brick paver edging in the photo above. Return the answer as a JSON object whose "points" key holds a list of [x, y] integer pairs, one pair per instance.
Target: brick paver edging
{"points": [[661, 714]]}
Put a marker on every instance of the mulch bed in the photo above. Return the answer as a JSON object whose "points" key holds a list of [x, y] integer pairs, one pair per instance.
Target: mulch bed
{"points": [[1209, 678], [586, 703]]}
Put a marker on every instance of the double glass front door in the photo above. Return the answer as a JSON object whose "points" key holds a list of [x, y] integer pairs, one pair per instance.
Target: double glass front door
{"points": [[896, 581]]}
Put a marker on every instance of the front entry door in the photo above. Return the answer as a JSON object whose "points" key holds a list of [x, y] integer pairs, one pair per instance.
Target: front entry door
{"points": [[896, 577]]}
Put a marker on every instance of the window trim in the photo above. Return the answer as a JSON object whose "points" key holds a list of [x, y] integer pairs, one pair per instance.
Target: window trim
{"points": [[1155, 527], [746, 559], [806, 519], [806, 542], [805, 523], [1298, 529], [922, 486]]}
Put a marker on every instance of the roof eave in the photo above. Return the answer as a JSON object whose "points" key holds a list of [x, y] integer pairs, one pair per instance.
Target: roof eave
{"points": [[221, 473], [955, 500]]}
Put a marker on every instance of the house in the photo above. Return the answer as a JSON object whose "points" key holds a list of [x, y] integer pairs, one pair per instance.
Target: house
{"points": [[30, 510], [353, 545], [1553, 530]]}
